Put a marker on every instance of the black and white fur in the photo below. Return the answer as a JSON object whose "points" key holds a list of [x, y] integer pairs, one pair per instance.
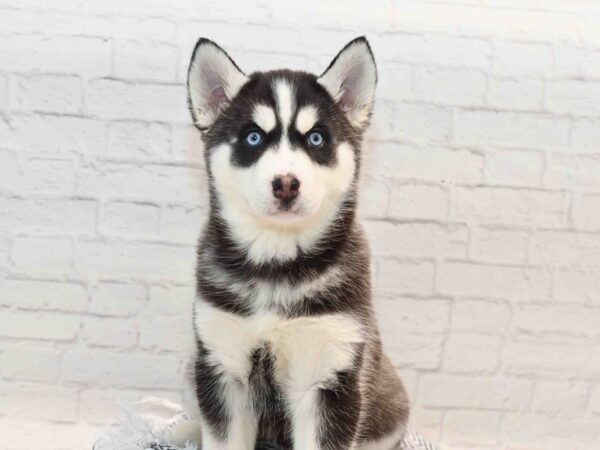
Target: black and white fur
{"points": [[288, 350]]}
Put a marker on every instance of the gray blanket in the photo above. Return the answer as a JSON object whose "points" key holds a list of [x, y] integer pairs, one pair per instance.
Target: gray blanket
{"points": [[158, 424]]}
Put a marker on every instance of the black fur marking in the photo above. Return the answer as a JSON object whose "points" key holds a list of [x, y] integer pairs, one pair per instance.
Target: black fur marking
{"points": [[268, 399], [210, 393], [340, 410]]}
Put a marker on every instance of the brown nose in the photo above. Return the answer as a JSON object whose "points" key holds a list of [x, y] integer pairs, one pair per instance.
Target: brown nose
{"points": [[285, 187]]}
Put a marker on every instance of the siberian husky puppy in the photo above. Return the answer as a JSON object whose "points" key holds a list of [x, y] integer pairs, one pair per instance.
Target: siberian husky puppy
{"points": [[288, 349]]}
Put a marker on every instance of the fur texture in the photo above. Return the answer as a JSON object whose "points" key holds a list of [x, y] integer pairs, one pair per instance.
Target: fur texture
{"points": [[288, 349]]}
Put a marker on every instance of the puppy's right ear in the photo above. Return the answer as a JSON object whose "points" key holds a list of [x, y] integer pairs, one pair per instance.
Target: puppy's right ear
{"points": [[213, 80]]}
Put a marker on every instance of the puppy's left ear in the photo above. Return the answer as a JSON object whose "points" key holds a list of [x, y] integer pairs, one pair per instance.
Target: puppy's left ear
{"points": [[351, 78], [213, 81]]}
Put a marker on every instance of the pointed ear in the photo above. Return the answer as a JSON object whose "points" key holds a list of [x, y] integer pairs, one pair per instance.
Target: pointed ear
{"points": [[351, 78], [213, 81]]}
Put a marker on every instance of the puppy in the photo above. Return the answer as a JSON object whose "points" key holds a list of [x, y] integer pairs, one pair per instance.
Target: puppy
{"points": [[288, 349]]}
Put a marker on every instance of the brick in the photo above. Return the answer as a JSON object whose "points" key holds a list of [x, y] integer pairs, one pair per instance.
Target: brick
{"points": [[107, 368], [145, 60], [117, 299], [449, 86], [31, 364], [585, 136], [417, 239], [3, 92], [130, 139], [415, 351], [319, 14], [49, 215], [571, 171], [556, 247], [510, 93], [374, 199], [397, 85], [44, 295], [573, 97], [585, 211], [405, 162], [4, 252], [169, 333], [567, 321], [434, 49], [499, 245], [30, 325], [493, 281], [510, 23], [578, 362], [145, 28], [263, 60], [288, 38], [577, 284], [532, 432], [509, 206], [54, 134], [159, 183], [47, 93], [456, 391], [382, 123], [36, 175], [595, 400], [171, 300], [136, 259], [472, 353], [421, 122], [130, 219], [514, 168], [470, 428], [42, 254], [418, 201], [511, 129], [31, 20], [405, 276], [480, 315], [187, 145], [41, 53], [180, 223], [516, 58], [116, 99], [428, 421], [56, 436], [109, 332], [560, 398], [29, 401], [409, 315], [577, 62]]}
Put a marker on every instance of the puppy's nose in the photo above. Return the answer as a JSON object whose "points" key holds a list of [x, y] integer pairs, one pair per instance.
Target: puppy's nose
{"points": [[285, 187]]}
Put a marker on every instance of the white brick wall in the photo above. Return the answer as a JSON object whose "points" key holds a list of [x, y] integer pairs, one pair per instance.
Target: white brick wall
{"points": [[482, 201]]}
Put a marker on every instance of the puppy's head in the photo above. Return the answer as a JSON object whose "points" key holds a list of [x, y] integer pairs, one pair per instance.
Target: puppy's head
{"points": [[282, 147]]}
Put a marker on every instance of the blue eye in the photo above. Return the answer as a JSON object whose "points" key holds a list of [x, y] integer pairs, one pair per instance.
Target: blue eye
{"points": [[315, 139], [254, 139]]}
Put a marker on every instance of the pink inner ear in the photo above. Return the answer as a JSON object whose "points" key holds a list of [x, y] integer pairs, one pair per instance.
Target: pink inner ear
{"points": [[347, 97], [217, 100]]}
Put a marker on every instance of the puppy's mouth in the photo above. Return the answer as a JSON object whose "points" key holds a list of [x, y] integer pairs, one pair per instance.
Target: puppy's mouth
{"points": [[287, 210], [291, 213]]}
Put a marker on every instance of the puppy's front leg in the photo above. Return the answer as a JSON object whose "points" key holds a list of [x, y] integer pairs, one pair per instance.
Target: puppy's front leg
{"points": [[323, 356], [327, 417], [228, 422]]}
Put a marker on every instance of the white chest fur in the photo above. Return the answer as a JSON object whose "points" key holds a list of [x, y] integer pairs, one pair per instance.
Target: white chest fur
{"points": [[308, 351]]}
